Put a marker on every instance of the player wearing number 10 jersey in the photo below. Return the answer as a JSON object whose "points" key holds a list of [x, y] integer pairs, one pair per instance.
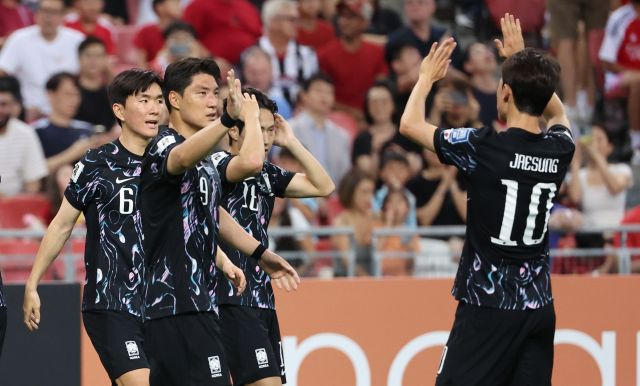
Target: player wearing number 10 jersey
{"points": [[505, 322]]}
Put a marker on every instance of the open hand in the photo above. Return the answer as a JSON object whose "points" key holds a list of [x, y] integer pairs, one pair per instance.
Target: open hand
{"points": [[31, 309], [284, 132], [234, 102], [281, 273], [512, 36], [235, 275], [434, 67]]}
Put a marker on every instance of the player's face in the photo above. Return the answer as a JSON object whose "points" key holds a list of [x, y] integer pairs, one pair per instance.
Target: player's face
{"points": [[267, 125], [198, 105], [93, 60], [6, 106], [142, 112], [380, 104], [66, 99], [363, 196]]}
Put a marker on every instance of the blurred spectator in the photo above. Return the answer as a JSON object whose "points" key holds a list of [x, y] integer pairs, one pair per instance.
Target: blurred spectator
{"points": [[287, 215], [64, 140], [88, 21], [397, 251], [313, 31], [420, 33], [328, 9], [12, 84], [600, 188], [22, 164], [35, 53], [356, 194], [395, 173], [149, 40], [146, 14], [291, 62], [224, 27], [480, 63], [95, 107], [384, 20], [405, 66], [620, 54], [369, 145], [13, 16], [257, 73], [564, 18], [180, 42], [455, 106], [328, 142], [351, 62]]}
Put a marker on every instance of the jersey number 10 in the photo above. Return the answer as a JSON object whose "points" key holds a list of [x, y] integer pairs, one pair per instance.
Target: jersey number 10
{"points": [[509, 215]]}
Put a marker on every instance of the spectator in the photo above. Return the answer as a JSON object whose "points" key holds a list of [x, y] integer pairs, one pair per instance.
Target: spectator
{"points": [[224, 27], [291, 62], [13, 16], [619, 54], [328, 142], [455, 106], [600, 188], [369, 145], [180, 42], [384, 20], [88, 21], [257, 73], [405, 65], [94, 67], [35, 53], [420, 33], [564, 18], [356, 194], [395, 173], [149, 40], [22, 164], [313, 31], [285, 214], [351, 62], [13, 85], [480, 64], [395, 214], [64, 140]]}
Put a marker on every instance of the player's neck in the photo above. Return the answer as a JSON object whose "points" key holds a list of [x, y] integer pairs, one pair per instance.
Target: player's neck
{"points": [[183, 128], [524, 121], [234, 149], [133, 142]]}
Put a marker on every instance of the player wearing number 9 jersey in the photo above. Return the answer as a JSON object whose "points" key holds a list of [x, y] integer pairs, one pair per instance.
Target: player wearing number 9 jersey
{"points": [[104, 187], [505, 322]]}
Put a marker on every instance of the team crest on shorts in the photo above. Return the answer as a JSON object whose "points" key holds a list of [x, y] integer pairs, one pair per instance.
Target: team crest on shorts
{"points": [[132, 349], [262, 358], [215, 367]]}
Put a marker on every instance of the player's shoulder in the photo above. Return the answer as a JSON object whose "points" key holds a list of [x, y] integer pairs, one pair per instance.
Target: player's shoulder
{"points": [[562, 133], [467, 134], [166, 137], [90, 164]]}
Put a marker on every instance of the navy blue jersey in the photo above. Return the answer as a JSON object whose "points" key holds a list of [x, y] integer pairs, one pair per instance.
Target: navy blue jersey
{"points": [[104, 186], [250, 203], [513, 180], [180, 222], [3, 303]]}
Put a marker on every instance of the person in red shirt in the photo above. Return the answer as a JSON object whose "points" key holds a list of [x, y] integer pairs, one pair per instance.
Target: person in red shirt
{"points": [[351, 62], [13, 16], [313, 31], [224, 27], [149, 39], [87, 21]]}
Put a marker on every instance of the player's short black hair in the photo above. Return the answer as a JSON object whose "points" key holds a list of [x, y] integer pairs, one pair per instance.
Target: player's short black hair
{"points": [[533, 78], [348, 185], [11, 85], [378, 84], [317, 77], [393, 156], [88, 42], [56, 79], [179, 75], [131, 82], [179, 26]]}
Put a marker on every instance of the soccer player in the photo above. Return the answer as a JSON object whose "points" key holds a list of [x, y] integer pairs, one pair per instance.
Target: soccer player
{"points": [[251, 334], [505, 322], [180, 194]]}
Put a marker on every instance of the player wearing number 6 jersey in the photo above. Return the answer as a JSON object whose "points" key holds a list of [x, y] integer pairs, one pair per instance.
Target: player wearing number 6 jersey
{"points": [[504, 325]]}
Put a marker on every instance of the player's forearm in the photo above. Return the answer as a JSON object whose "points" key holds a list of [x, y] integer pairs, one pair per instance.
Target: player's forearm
{"points": [[251, 155], [187, 155], [315, 173], [412, 123], [554, 113], [221, 259], [234, 235], [54, 239]]}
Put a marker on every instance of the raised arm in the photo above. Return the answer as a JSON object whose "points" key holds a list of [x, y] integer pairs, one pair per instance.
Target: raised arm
{"points": [[433, 68], [54, 239], [315, 181]]}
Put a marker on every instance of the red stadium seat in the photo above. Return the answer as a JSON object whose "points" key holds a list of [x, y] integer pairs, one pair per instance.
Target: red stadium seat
{"points": [[123, 36], [14, 209]]}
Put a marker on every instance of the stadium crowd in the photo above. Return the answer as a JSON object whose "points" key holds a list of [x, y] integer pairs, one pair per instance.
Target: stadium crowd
{"points": [[341, 72]]}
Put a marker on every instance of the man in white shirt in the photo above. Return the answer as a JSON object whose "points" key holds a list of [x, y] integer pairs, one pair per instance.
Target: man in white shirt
{"points": [[22, 163], [34, 53]]}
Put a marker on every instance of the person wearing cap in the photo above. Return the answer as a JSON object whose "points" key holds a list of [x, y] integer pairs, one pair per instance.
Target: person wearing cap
{"points": [[352, 63]]}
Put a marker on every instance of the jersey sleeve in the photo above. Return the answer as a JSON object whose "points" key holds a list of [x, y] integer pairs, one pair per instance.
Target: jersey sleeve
{"points": [[221, 161], [84, 184], [279, 179], [561, 132], [157, 155], [459, 147]]}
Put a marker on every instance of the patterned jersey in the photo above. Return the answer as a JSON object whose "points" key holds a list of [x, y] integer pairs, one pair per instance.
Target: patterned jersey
{"points": [[104, 186], [250, 203], [513, 180], [180, 222]]}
